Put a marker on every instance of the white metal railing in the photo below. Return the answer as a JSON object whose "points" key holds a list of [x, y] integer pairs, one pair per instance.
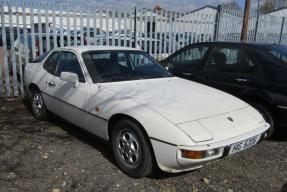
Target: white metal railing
{"points": [[31, 27]]}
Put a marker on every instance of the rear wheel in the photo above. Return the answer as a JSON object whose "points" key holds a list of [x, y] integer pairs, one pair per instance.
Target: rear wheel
{"points": [[38, 107], [268, 118], [131, 150]]}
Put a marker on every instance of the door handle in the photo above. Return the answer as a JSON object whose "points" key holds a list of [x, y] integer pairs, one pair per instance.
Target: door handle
{"points": [[187, 74], [51, 84], [241, 80]]}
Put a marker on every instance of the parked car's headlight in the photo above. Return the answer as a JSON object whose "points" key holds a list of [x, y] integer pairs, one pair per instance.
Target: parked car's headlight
{"points": [[199, 154]]}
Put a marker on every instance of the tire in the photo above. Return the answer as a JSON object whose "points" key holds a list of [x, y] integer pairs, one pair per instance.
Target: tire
{"points": [[131, 149], [268, 118], [38, 107]]}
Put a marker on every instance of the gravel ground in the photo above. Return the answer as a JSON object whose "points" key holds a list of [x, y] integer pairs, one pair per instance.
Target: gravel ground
{"points": [[55, 156]]}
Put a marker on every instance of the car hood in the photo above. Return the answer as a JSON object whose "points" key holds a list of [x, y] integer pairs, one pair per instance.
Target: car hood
{"points": [[200, 111], [178, 100]]}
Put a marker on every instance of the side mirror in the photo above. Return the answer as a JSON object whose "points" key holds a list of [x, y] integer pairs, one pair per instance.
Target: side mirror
{"points": [[162, 63], [70, 77], [168, 66]]}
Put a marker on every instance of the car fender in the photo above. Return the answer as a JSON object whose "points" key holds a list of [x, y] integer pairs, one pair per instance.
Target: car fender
{"points": [[165, 138]]}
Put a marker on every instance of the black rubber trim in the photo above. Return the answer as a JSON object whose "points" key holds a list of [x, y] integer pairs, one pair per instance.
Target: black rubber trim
{"points": [[74, 106], [163, 141], [226, 151], [262, 137]]}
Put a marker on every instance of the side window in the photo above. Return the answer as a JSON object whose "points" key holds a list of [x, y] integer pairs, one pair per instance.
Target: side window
{"points": [[51, 63], [69, 63], [232, 60], [190, 57], [98, 63]]}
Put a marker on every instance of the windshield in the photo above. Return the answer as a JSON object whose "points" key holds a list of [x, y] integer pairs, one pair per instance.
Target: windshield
{"points": [[111, 66], [279, 51]]}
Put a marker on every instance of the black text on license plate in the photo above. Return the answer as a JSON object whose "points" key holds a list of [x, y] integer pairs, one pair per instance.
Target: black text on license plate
{"points": [[244, 144]]}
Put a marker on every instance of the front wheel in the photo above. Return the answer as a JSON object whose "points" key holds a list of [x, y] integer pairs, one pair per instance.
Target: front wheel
{"points": [[267, 117], [38, 107], [131, 150]]}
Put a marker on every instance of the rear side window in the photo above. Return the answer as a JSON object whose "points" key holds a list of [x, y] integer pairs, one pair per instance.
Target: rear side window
{"points": [[51, 63], [232, 60], [69, 63], [189, 58]]}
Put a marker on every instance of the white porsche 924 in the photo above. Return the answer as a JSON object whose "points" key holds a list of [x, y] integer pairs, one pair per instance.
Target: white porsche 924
{"points": [[122, 95]]}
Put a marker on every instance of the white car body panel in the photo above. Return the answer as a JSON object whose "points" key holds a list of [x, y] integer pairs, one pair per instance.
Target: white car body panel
{"points": [[175, 113], [111, 103], [180, 100]]}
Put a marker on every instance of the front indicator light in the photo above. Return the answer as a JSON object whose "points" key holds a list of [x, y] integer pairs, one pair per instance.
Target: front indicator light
{"points": [[192, 154], [199, 154]]}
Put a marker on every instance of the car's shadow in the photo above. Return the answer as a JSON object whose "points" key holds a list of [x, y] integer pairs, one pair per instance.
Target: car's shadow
{"points": [[284, 188], [281, 133], [105, 149], [84, 136], [101, 145]]}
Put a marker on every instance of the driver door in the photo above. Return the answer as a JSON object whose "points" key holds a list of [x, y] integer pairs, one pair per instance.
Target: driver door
{"points": [[68, 99]]}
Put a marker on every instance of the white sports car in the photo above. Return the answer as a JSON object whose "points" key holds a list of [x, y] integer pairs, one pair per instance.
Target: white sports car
{"points": [[149, 117]]}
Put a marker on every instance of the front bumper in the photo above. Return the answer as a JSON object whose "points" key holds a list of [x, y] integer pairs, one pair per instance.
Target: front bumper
{"points": [[169, 157]]}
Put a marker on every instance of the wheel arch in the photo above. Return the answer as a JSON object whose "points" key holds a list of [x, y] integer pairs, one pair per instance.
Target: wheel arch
{"points": [[120, 116], [259, 100], [32, 86]]}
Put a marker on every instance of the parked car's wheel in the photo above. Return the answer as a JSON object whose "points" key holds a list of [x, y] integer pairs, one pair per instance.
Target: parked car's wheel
{"points": [[38, 107], [268, 118], [131, 150]]}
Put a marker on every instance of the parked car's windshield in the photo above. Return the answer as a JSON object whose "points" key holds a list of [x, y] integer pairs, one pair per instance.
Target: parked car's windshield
{"points": [[279, 51], [110, 66]]}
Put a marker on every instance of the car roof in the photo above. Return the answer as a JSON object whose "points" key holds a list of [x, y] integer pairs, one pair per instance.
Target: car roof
{"points": [[82, 49]]}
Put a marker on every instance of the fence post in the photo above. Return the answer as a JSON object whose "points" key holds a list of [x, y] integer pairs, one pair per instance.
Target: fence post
{"points": [[135, 27], [5, 52], [257, 21], [245, 26], [281, 32], [217, 22], [172, 34], [256, 27]]}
